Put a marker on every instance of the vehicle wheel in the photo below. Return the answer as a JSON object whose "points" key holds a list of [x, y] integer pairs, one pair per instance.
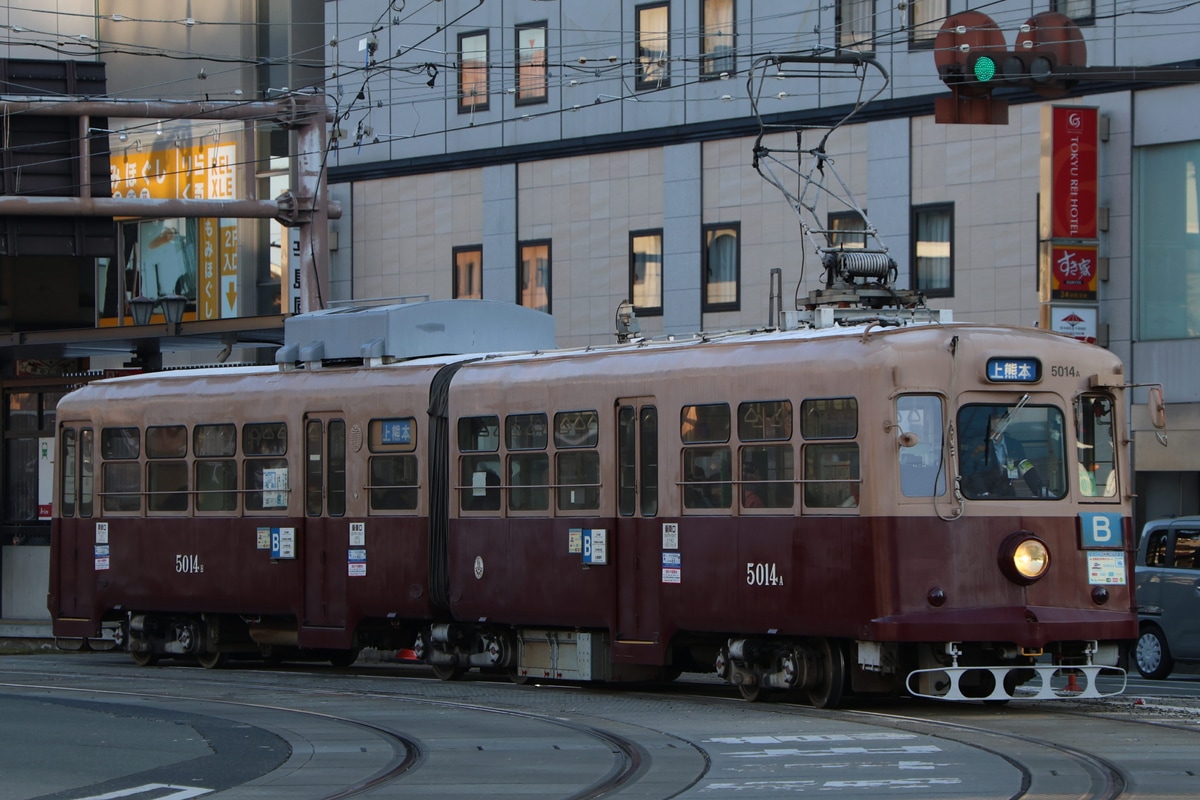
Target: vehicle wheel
{"points": [[447, 672], [1151, 655], [212, 660], [752, 693], [343, 658], [143, 659], [828, 691], [517, 678]]}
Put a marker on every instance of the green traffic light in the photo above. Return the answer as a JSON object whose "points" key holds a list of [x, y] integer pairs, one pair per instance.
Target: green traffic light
{"points": [[984, 68]]}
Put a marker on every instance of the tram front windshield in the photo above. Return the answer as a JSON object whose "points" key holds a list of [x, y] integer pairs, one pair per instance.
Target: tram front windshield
{"points": [[1012, 452]]}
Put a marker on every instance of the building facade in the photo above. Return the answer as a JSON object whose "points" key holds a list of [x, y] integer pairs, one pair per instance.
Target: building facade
{"points": [[571, 156]]}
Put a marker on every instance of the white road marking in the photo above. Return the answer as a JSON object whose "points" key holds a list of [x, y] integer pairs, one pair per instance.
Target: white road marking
{"points": [[177, 792]]}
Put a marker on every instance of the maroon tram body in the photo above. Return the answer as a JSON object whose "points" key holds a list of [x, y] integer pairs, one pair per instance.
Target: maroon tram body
{"points": [[790, 508]]}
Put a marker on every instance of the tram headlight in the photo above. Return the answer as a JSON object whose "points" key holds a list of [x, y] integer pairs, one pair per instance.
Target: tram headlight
{"points": [[1024, 558]]}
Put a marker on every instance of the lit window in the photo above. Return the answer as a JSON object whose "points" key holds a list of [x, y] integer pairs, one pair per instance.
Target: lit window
{"points": [[472, 72], [533, 280], [933, 250], [856, 25], [653, 47], [531, 64], [1081, 11], [718, 38], [468, 273], [646, 271], [925, 20], [847, 229], [721, 267]]}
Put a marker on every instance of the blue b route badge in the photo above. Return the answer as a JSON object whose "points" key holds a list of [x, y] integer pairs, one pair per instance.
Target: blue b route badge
{"points": [[1101, 530]]}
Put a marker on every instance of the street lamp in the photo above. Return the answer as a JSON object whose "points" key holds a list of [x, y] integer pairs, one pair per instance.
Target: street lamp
{"points": [[173, 306], [141, 307]]}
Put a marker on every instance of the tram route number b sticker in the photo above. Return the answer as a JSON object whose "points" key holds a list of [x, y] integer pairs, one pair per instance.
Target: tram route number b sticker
{"points": [[1101, 531]]}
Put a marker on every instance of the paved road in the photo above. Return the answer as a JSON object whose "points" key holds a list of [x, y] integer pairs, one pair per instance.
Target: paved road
{"points": [[92, 726]]}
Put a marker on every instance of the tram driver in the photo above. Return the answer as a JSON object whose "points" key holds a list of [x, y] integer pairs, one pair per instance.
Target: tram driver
{"points": [[992, 467]]}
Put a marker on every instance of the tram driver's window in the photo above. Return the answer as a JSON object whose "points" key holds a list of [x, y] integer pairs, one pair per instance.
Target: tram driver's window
{"points": [[1095, 448]]}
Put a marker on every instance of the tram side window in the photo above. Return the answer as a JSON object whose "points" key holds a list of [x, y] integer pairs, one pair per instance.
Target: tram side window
{"points": [[166, 471], [1095, 447], [87, 467], [768, 472], [577, 463], [831, 469], [707, 471], [479, 467], [214, 447], [266, 479], [394, 469], [526, 437], [919, 420], [325, 467], [66, 474], [120, 472]]}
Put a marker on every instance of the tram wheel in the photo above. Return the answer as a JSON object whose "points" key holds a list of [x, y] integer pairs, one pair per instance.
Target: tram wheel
{"points": [[212, 660], [343, 658], [828, 691], [143, 659], [752, 693], [447, 672]]}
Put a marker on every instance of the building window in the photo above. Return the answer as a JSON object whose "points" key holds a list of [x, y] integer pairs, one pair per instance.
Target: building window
{"points": [[721, 267], [1082, 12], [718, 37], [645, 271], [856, 25], [925, 18], [472, 72], [1167, 236], [533, 280], [847, 229], [468, 272], [653, 47], [933, 250], [531, 64]]}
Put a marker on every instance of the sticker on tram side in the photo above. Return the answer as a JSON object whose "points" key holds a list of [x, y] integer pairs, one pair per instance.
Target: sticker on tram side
{"points": [[672, 568], [1106, 569]]}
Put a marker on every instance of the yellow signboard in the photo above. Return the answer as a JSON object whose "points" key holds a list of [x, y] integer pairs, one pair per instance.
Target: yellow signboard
{"points": [[187, 172]]}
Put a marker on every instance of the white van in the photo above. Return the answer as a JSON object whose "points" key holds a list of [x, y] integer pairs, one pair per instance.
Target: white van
{"points": [[1168, 596]]}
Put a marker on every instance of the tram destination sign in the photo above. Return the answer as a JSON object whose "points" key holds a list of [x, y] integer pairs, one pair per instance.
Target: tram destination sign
{"points": [[1014, 370]]}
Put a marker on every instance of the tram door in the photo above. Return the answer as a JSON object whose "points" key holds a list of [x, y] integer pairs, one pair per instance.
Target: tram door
{"points": [[325, 529], [638, 544]]}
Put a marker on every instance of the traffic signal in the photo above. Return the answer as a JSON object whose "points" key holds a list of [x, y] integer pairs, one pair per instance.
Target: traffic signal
{"points": [[1028, 68]]}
